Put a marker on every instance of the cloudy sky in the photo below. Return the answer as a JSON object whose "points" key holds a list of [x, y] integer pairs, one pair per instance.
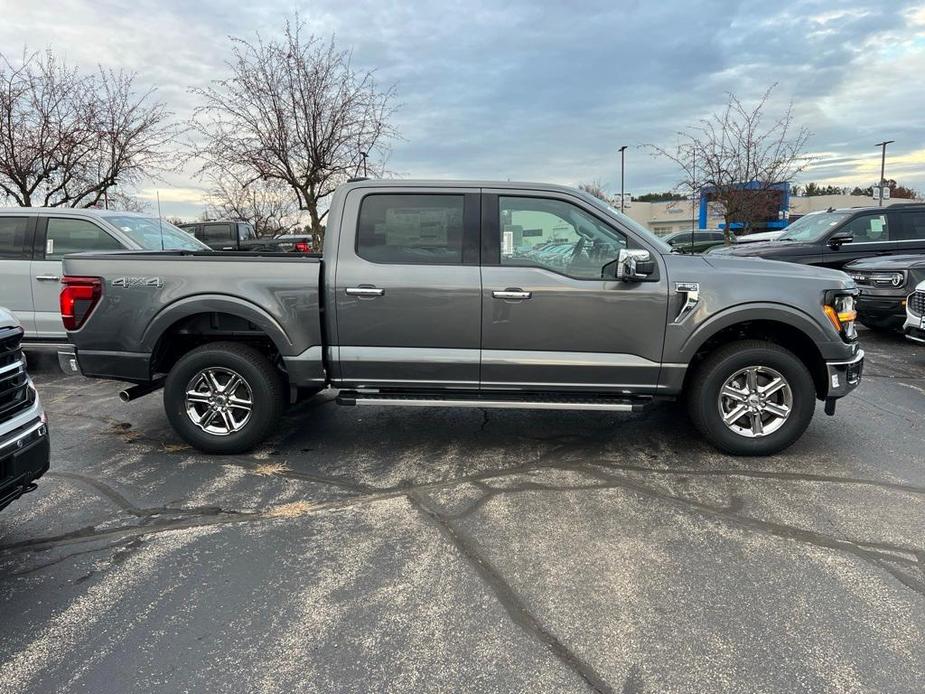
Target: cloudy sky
{"points": [[532, 90]]}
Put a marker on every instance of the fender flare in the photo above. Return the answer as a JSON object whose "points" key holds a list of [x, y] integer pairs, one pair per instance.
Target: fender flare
{"points": [[215, 303], [754, 311]]}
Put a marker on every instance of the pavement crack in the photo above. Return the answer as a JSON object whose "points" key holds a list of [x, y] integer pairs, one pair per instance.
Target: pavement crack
{"points": [[102, 488], [879, 554], [512, 603], [764, 474]]}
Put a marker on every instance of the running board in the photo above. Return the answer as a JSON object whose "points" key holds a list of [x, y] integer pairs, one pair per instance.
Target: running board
{"points": [[513, 401]]}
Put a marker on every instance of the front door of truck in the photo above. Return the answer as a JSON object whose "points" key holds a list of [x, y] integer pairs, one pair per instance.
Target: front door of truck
{"points": [[407, 289], [549, 320]]}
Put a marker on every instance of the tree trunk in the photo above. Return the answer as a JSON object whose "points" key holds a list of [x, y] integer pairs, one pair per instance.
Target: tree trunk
{"points": [[317, 228]]}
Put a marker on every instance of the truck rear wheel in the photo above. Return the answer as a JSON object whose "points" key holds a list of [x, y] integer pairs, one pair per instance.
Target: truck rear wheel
{"points": [[752, 398], [223, 397]]}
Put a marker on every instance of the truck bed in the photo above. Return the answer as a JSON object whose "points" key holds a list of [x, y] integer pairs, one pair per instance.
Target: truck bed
{"points": [[149, 297]]}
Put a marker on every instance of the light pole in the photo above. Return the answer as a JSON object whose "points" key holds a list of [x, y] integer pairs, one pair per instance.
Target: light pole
{"points": [[622, 155], [364, 155], [882, 146]]}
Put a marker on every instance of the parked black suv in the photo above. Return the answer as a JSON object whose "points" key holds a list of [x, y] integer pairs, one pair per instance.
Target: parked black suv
{"points": [[836, 237], [24, 450], [884, 283]]}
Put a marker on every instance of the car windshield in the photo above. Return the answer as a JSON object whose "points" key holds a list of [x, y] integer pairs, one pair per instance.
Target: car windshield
{"points": [[154, 234], [813, 226], [626, 221]]}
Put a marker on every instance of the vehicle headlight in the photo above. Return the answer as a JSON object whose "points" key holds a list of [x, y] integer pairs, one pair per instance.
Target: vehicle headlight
{"points": [[896, 279], [841, 312]]}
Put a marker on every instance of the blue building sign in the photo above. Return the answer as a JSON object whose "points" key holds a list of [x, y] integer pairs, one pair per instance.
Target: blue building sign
{"points": [[778, 203]]}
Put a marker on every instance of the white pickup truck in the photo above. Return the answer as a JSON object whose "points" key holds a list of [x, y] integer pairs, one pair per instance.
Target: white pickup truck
{"points": [[33, 240]]}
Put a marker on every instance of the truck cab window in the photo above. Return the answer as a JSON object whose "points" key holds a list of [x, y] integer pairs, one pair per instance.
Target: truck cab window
{"points": [[75, 236], [12, 237], [869, 228], [556, 235], [217, 233], [411, 229]]}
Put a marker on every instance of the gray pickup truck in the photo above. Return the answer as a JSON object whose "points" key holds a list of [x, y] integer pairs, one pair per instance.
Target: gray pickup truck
{"points": [[468, 294]]}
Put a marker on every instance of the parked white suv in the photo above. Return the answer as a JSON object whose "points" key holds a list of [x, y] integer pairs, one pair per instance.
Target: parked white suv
{"points": [[915, 314], [33, 240]]}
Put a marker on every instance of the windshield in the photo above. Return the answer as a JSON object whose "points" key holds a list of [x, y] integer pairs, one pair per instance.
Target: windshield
{"points": [[626, 221], [813, 226], [153, 234]]}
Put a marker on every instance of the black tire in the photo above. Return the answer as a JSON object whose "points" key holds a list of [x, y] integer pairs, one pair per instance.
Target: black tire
{"points": [[704, 394], [261, 378]]}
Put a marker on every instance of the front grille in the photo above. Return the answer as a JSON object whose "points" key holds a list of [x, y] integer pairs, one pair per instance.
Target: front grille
{"points": [[860, 278], [917, 303], [15, 394]]}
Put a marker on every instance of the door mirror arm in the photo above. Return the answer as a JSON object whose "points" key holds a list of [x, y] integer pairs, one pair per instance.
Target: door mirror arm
{"points": [[631, 265], [840, 237]]}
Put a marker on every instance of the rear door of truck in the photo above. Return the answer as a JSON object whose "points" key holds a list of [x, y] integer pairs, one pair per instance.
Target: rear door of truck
{"points": [[407, 288]]}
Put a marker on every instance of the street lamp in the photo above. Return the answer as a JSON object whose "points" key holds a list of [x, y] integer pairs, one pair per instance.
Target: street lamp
{"points": [[622, 155], [882, 146]]}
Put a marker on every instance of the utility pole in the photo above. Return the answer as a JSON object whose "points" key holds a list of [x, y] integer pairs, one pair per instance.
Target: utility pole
{"points": [[622, 155], [882, 146], [364, 155]]}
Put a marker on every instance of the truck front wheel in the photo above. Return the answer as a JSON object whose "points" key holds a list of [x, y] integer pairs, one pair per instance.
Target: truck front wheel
{"points": [[751, 398], [223, 397]]}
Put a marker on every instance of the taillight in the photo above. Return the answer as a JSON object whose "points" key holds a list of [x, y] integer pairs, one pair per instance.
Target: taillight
{"points": [[78, 298], [302, 247]]}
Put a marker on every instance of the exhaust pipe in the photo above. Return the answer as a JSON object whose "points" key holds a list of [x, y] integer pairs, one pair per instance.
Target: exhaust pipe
{"points": [[136, 391]]}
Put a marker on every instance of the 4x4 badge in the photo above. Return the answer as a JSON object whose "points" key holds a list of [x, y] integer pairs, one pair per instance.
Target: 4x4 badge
{"points": [[137, 282]]}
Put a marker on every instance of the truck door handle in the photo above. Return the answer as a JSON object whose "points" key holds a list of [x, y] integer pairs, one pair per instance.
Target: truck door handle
{"points": [[365, 291], [47, 278], [512, 294]]}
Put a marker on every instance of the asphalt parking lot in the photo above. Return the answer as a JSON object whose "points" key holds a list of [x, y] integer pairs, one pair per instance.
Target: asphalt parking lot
{"points": [[459, 550]]}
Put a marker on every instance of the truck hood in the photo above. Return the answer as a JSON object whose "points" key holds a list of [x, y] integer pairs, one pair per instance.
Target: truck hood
{"points": [[777, 249], [887, 263], [836, 279]]}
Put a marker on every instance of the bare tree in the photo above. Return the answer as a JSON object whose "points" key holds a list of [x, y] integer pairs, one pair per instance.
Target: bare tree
{"points": [[294, 110], [67, 138], [596, 188], [739, 159], [268, 205]]}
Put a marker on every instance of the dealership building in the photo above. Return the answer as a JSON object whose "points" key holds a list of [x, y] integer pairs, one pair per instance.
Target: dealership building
{"points": [[667, 217]]}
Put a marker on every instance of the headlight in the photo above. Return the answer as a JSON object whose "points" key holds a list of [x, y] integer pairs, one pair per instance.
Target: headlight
{"points": [[841, 313], [896, 279]]}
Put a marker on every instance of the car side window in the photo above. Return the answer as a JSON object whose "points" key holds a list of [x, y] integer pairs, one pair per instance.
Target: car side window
{"points": [[868, 228], [247, 232], [556, 235], [217, 233], [65, 236], [13, 237], [411, 228], [912, 227]]}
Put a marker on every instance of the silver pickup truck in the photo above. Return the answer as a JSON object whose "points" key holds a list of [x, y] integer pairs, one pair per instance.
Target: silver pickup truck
{"points": [[469, 294]]}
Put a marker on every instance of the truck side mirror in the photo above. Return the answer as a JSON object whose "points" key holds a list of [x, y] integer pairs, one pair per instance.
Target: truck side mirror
{"points": [[634, 265], [840, 237]]}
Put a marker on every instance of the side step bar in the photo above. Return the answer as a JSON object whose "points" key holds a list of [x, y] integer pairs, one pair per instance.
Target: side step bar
{"points": [[513, 401]]}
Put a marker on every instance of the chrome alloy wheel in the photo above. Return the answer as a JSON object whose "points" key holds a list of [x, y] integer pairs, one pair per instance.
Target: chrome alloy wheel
{"points": [[219, 401], [755, 401]]}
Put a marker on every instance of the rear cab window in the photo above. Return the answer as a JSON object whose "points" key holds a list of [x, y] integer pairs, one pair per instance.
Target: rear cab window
{"points": [[411, 228]]}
